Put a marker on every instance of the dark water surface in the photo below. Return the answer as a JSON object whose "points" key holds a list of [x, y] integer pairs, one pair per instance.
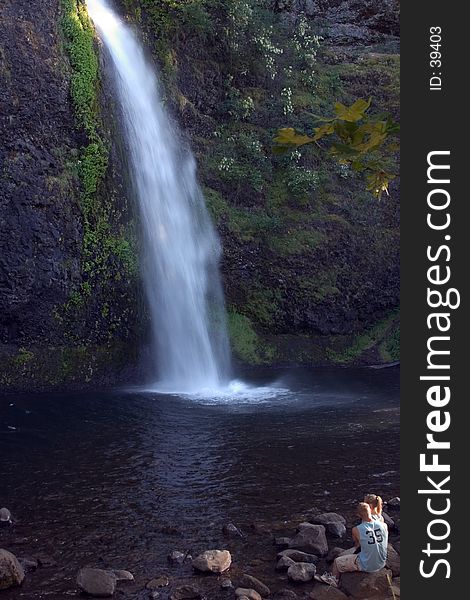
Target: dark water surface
{"points": [[122, 478]]}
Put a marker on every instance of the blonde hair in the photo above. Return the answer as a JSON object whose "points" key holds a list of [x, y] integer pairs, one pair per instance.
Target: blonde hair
{"points": [[363, 510], [374, 501]]}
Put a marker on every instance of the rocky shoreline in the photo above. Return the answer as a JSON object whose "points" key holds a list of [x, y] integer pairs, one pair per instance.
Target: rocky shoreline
{"points": [[291, 555]]}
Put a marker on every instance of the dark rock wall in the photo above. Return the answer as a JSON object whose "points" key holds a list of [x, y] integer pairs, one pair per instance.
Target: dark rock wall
{"points": [[310, 262]]}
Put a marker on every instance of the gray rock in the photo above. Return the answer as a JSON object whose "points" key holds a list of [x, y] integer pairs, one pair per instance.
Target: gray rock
{"points": [[248, 581], [301, 572], [282, 542], [298, 556], [393, 561], [366, 585], [388, 520], [11, 572], [176, 557], [231, 530], [122, 575], [334, 523], [186, 592], [285, 594], [326, 592], [158, 582], [226, 584], [310, 539], [396, 545], [5, 515], [334, 553], [394, 503], [45, 561], [96, 582], [284, 563], [247, 593], [213, 561]]}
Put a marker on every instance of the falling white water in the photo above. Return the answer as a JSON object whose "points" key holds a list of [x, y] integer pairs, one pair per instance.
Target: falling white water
{"points": [[181, 246]]}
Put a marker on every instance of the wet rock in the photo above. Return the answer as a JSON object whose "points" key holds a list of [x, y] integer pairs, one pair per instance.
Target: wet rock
{"points": [[301, 572], [96, 582], [393, 561], [366, 585], [248, 581], [326, 592], [158, 582], [226, 584], [310, 539], [394, 503], [282, 542], [285, 594], [5, 516], [122, 575], [298, 556], [231, 530], [176, 557], [334, 523], [28, 564], [284, 563], [11, 572], [260, 528], [213, 561], [186, 592], [247, 593]]}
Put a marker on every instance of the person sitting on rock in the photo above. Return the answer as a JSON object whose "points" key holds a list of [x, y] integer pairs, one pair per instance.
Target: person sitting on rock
{"points": [[371, 536], [376, 504]]}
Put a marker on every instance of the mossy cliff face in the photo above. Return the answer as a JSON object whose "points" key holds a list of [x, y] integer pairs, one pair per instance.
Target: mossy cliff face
{"points": [[310, 262], [69, 294]]}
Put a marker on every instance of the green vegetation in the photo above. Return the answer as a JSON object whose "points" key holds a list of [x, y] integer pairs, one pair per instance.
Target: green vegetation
{"points": [[245, 341], [385, 335], [357, 139], [101, 246]]}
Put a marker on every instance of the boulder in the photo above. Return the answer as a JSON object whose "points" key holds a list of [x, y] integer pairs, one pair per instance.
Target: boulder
{"points": [[298, 556], [176, 557], [301, 572], [285, 594], [396, 545], [122, 575], [394, 503], [158, 582], [5, 515], [334, 553], [284, 563], [334, 523], [231, 530], [310, 539], [393, 561], [282, 542], [96, 582], [248, 581], [366, 585], [186, 592], [226, 584], [213, 561], [388, 520], [247, 593], [326, 592], [11, 572]]}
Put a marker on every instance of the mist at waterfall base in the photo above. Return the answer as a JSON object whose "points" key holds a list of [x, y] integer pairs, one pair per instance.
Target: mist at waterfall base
{"points": [[181, 247]]}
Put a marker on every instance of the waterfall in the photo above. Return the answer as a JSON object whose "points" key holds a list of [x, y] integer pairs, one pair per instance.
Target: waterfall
{"points": [[181, 250]]}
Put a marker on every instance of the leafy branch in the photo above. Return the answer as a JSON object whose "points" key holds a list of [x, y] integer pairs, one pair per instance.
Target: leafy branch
{"points": [[354, 138]]}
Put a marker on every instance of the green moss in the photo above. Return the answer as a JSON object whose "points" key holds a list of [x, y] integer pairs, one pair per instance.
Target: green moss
{"points": [[370, 339], [390, 348], [245, 341], [296, 242], [263, 304]]}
